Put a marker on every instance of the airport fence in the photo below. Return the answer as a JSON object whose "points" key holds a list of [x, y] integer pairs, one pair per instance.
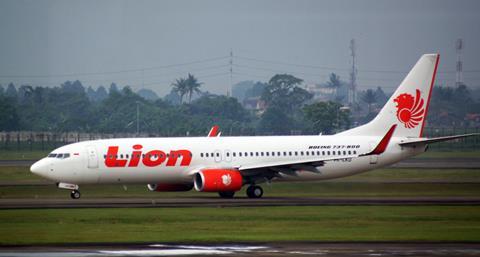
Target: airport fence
{"points": [[46, 141]]}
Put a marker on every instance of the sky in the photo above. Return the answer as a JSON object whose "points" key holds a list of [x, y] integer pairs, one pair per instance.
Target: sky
{"points": [[149, 44]]}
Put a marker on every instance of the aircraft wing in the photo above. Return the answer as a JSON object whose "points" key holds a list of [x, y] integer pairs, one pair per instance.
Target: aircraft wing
{"points": [[312, 163], [424, 141]]}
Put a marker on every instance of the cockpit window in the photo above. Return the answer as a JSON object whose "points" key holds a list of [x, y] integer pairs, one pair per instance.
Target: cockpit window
{"points": [[59, 155]]}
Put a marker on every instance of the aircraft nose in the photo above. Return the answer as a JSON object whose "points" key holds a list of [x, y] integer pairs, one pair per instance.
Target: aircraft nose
{"points": [[40, 168]]}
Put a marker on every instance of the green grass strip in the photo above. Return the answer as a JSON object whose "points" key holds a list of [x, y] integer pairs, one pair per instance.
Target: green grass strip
{"points": [[326, 223]]}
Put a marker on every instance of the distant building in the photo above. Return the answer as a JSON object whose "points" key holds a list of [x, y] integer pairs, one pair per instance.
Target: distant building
{"points": [[255, 104], [320, 92]]}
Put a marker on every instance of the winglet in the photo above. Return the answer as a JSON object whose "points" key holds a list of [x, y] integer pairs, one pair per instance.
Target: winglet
{"points": [[213, 131], [382, 146]]}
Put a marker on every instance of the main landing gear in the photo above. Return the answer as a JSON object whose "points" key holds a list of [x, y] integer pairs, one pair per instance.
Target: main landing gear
{"points": [[254, 191], [226, 194]]}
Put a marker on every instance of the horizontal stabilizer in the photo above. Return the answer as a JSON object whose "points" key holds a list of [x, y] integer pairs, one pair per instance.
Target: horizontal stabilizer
{"points": [[424, 141]]}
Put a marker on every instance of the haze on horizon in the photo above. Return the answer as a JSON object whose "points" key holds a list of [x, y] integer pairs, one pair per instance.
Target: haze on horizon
{"points": [[139, 43]]}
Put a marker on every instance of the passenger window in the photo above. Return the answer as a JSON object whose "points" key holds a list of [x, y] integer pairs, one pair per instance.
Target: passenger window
{"points": [[273, 153], [296, 153], [256, 153], [218, 154], [234, 154], [201, 154], [228, 154], [344, 153], [279, 154], [349, 152], [290, 153], [318, 152], [339, 153], [328, 152], [266, 153], [284, 153], [246, 154], [206, 154], [104, 156], [307, 153]]}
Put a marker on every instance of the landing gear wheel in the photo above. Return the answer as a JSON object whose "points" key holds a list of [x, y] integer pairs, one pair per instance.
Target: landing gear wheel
{"points": [[254, 192], [226, 194], [75, 194]]}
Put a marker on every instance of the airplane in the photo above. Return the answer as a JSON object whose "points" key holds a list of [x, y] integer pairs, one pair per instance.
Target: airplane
{"points": [[225, 164]]}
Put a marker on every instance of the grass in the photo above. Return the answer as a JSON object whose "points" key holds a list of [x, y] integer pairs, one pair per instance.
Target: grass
{"points": [[450, 154], [326, 223], [22, 154], [17, 174]]}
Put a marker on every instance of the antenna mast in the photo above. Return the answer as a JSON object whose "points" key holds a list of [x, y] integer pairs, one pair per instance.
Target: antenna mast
{"points": [[459, 73], [353, 75]]}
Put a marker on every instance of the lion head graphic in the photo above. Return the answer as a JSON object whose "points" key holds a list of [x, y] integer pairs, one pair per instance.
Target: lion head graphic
{"points": [[410, 109]]}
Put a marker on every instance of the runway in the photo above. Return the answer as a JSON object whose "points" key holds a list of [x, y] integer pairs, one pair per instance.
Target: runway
{"points": [[340, 249], [432, 163], [182, 202]]}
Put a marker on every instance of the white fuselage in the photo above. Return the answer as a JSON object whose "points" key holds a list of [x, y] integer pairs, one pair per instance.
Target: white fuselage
{"points": [[88, 162]]}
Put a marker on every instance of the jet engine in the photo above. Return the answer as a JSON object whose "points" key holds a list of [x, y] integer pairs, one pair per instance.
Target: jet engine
{"points": [[218, 180], [169, 187]]}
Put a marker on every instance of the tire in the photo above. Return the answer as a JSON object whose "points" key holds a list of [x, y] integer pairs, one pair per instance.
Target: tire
{"points": [[226, 194], [254, 192], [75, 194]]}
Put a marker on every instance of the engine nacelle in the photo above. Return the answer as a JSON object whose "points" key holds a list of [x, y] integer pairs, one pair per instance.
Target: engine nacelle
{"points": [[169, 187], [218, 180]]}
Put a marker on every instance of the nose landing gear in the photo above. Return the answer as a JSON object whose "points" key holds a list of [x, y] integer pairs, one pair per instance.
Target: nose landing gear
{"points": [[254, 191], [75, 194]]}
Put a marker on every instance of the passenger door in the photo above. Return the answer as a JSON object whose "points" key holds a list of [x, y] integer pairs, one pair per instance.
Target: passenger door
{"points": [[92, 157]]}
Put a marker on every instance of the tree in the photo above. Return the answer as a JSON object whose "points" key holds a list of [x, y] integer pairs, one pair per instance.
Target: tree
{"points": [[283, 91], [180, 87], [101, 93], [369, 97], [113, 88], [275, 121], [335, 83], [11, 91], [192, 86], [327, 117], [8, 114]]}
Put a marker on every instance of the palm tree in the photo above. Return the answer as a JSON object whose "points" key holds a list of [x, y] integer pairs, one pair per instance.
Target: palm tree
{"points": [[370, 97], [334, 83], [192, 86], [180, 87]]}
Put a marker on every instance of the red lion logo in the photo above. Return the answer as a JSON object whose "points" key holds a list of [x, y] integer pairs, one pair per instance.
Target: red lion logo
{"points": [[409, 109]]}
